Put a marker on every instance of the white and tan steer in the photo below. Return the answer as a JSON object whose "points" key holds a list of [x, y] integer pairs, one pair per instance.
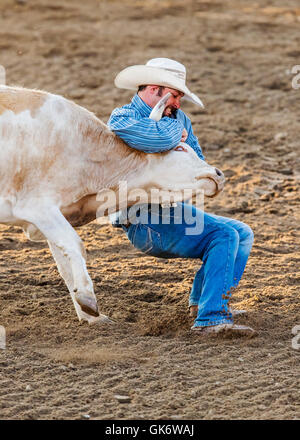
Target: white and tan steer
{"points": [[55, 157]]}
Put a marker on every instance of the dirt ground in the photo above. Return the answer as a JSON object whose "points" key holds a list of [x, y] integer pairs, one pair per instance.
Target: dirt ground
{"points": [[239, 55]]}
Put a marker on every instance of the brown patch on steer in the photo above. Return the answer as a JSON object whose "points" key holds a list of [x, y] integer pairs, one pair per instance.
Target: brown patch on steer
{"points": [[19, 100], [18, 180]]}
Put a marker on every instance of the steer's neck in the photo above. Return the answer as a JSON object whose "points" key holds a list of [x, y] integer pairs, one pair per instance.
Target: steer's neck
{"points": [[112, 159]]}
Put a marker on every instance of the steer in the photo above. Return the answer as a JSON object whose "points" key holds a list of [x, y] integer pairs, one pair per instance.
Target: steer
{"points": [[56, 157]]}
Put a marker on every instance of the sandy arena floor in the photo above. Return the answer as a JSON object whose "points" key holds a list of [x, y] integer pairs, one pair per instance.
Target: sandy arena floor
{"points": [[237, 53]]}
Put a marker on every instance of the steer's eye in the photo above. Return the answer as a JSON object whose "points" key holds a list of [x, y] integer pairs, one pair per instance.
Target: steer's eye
{"points": [[180, 148]]}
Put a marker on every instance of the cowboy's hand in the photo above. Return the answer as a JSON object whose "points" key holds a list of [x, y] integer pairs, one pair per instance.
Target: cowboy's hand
{"points": [[184, 135]]}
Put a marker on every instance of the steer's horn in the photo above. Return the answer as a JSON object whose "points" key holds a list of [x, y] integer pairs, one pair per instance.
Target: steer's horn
{"points": [[158, 110]]}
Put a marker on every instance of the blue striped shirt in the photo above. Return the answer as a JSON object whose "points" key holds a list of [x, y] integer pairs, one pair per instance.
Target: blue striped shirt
{"points": [[132, 124]]}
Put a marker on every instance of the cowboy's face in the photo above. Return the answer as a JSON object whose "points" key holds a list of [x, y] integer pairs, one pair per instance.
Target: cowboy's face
{"points": [[173, 103]]}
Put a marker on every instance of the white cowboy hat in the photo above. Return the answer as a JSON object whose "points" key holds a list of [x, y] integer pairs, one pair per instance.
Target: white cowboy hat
{"points": [[160, 72]]}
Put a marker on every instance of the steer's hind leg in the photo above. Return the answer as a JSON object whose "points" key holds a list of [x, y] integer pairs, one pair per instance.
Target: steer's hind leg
{"points": [[57, 230], [66, 273]]}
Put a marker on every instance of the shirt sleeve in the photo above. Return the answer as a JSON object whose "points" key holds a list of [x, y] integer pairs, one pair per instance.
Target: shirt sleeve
{"points": [[145, 134]]}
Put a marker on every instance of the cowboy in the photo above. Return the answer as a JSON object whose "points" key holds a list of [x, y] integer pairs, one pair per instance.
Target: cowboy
{"points": [[224, 244]]}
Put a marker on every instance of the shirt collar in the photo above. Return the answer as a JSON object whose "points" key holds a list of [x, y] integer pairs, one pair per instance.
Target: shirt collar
{"points": [[141, 106]]}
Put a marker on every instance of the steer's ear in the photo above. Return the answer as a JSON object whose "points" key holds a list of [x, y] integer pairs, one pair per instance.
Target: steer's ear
{"points": [[158, 110]]}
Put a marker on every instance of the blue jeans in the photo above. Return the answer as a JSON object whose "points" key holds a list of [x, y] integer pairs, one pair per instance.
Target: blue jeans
{"points": [[223, 245]]}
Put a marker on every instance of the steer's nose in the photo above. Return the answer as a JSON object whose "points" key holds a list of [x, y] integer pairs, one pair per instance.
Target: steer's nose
{"points": [[220, 177], [219, 172]]}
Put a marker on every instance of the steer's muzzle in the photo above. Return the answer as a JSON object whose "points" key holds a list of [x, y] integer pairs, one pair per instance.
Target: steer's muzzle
{"points": [[218, 177]]}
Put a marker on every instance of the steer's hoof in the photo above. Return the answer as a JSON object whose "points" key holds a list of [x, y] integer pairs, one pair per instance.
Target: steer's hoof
{"points": [[101, 319], [87, 304]]}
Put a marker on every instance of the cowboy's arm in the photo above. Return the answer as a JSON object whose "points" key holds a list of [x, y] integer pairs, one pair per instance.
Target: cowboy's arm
{"points": [[145, 134]]}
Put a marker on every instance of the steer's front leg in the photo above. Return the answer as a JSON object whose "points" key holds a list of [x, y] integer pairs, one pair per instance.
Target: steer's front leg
{"points": [[65, 271], [57, 230]]}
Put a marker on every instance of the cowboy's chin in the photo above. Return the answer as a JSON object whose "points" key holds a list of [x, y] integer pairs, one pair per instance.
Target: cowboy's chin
{"points": [[168, 111]]}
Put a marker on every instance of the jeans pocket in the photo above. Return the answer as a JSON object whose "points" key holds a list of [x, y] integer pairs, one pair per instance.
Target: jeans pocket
{"points": [[145, 239]]}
